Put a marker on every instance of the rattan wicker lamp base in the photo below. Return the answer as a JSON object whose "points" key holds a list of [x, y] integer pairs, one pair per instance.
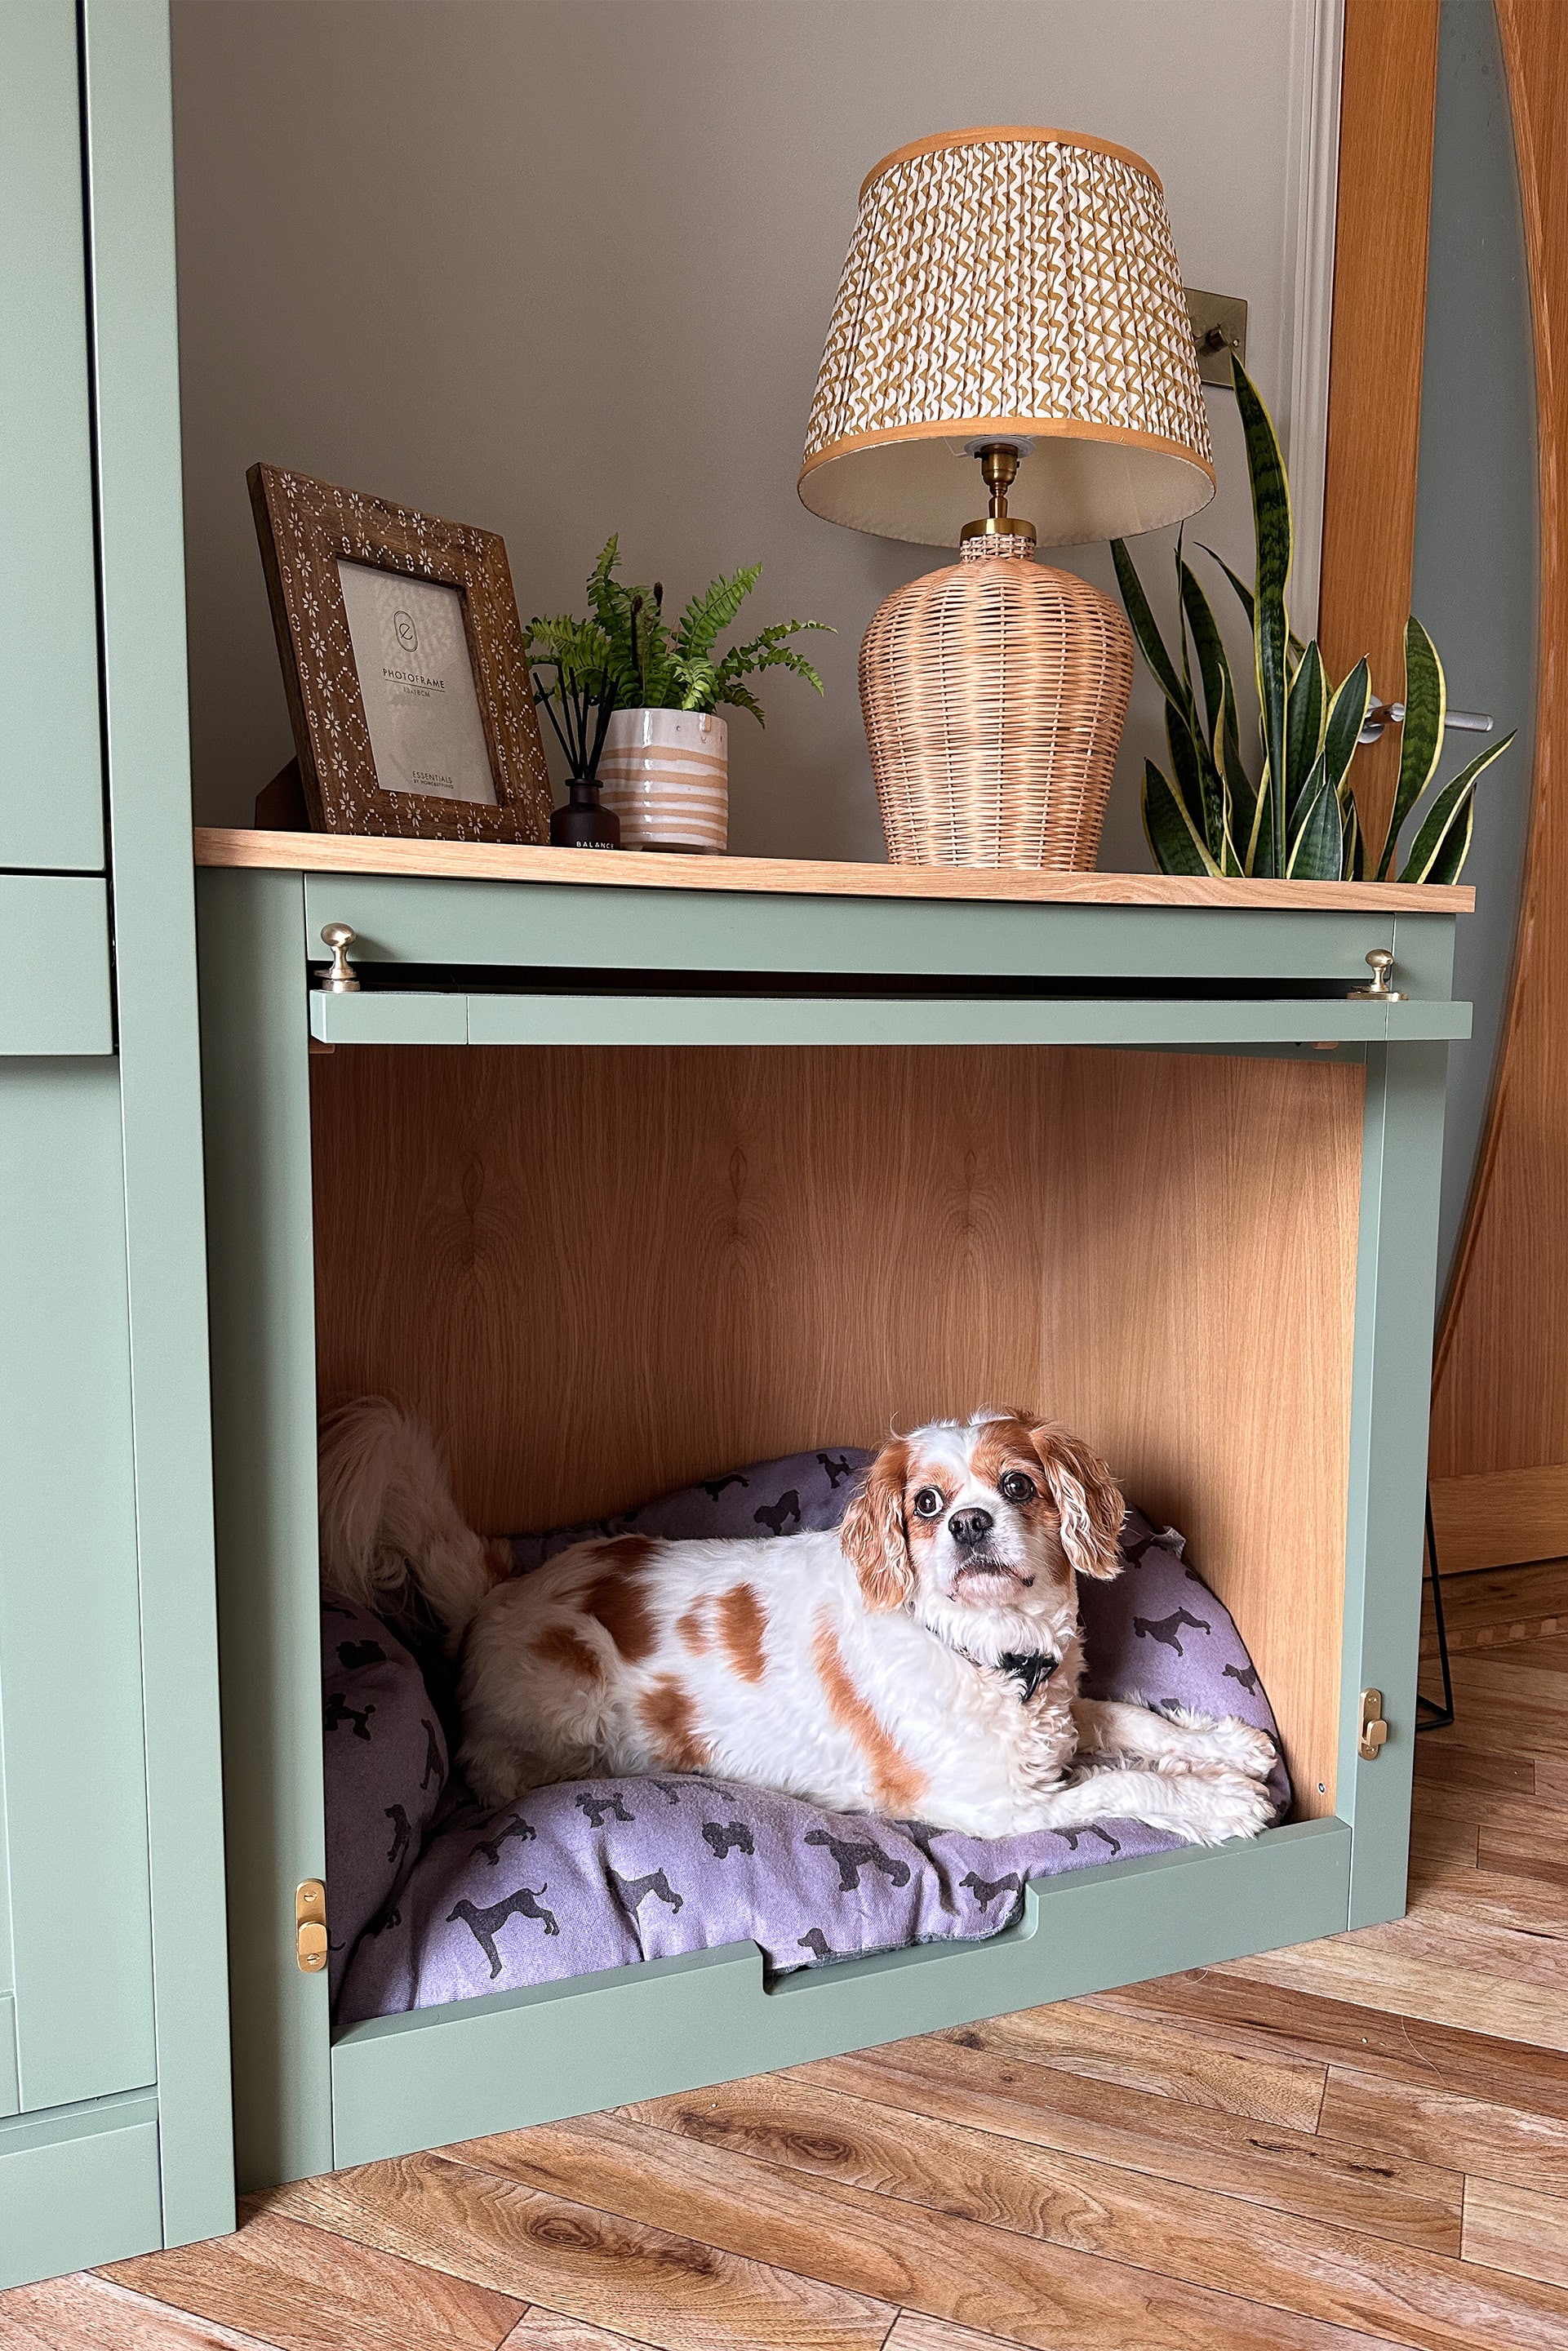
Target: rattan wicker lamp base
{"points": [[994, 693]]}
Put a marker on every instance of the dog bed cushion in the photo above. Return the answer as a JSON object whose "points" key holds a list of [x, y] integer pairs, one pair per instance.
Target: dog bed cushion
{"points": [[600, 1873]]}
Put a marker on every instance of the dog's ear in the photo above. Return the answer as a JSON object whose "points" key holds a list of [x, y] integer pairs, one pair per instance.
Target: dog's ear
{"points": [[872, 1533], [1088, 1500]]}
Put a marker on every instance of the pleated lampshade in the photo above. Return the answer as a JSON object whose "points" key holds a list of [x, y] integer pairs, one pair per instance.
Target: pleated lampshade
{"points": [[1017, 289]]}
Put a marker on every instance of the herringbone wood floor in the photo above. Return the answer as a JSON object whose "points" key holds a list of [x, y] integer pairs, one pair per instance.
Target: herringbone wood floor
{"points": [[1363, 2140]]}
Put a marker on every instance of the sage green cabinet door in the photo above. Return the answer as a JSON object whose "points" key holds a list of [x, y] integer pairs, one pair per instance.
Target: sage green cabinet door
{"points": [[51, 768], [71, 1748]]}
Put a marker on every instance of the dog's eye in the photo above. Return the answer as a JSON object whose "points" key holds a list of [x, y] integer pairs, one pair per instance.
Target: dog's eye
{"points": [[1015, 1488], [927, 1503]]}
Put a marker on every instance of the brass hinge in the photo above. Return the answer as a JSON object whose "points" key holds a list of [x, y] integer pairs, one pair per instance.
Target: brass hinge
{"points": [[1373, 1729], [310, 1926]]}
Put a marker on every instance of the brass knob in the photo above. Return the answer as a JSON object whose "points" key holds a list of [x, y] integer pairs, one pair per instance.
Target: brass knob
{"points": [[339, 980], [1380, 992]]}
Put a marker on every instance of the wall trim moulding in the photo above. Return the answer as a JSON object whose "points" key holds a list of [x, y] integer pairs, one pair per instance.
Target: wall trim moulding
{"points": [[1315, 83]]}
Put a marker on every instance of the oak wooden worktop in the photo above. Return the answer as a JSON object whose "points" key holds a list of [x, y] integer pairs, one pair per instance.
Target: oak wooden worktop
{"points": [[318, 852]]}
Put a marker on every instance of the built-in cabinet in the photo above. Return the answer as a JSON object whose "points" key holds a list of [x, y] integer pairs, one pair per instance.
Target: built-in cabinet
{"points": [[115, 2130]]}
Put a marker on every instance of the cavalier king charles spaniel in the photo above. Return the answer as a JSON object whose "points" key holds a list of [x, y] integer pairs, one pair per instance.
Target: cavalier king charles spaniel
{"points": [[921, 1661]]}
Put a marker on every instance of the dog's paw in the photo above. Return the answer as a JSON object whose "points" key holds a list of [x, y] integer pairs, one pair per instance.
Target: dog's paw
{"points": [[1230, 1740], [1226, 1803]]}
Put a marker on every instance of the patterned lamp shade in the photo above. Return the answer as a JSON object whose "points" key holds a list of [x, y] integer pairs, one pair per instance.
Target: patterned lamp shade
{"points": [[1019, 284], [1016, 291]]}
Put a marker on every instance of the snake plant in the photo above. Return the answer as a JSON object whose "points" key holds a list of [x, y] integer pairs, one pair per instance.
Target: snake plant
{"points": [[1300, 820]]}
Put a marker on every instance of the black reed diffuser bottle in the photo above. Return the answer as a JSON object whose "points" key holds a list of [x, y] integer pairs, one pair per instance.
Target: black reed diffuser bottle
{"points": [[585, 700]]}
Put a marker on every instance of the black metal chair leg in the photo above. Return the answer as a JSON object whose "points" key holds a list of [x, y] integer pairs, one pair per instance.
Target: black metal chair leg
{"points": [[1429, 1714]]}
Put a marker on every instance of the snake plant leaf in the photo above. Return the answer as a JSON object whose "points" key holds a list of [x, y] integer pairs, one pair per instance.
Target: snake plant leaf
{"points": [[1317, 850], [1260, 859], [1305, 713], [1214, 669], [1236, 794], [1146, 628], [1175, 842], [1197, 780], [1426, 703], [1352, 862], [1347, 716], [1441, 848], [1270, 630], [1245, 596]]}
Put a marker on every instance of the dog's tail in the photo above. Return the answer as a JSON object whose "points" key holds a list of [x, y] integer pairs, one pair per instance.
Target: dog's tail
{"points": [[390, 1528]]}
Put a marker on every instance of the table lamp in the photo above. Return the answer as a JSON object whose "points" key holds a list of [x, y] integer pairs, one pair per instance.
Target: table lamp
{"points": [[1011, 299]]}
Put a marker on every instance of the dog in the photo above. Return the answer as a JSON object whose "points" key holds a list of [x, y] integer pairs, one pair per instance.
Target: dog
{"points": [[922, 1661]]}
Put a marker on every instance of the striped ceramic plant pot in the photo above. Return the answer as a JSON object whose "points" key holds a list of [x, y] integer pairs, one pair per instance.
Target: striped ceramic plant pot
{"points": [[665, 773]]}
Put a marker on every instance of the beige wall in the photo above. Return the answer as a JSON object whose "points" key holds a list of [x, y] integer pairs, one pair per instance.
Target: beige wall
{"points": [[564, 267]]}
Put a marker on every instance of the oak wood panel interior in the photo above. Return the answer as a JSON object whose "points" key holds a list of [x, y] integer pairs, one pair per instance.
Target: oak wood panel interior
{"points": [[1501, 1390], [1388, 106], [314, 852], [604, 1272]]}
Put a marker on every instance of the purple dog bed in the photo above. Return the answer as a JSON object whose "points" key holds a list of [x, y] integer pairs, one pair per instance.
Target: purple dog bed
{"points": [[431, 1899]]}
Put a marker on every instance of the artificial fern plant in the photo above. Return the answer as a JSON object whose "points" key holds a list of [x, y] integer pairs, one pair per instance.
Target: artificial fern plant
{"points": [[651, 666], [1300, 820]]}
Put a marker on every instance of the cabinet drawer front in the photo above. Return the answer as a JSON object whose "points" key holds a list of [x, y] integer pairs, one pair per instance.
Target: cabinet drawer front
{"points": [[54, 964], [526, 924]]}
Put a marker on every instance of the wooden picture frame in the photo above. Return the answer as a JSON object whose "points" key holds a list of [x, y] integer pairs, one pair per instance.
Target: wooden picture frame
{"points": [[310, 531]]}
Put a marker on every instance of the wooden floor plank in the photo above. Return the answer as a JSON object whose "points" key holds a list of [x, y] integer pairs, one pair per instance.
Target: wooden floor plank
{"points": [[1290, 2171], [1552, 1781], [305, 2290], [1496, 1895], [1341, 1968], [1477, 2134], [546, 2330], [942, 2259], [93, 2313], [1513, 2228], [1443, 1760], [1102, 2045], [729, 2167], [1244, 2013], [656, 2283]]}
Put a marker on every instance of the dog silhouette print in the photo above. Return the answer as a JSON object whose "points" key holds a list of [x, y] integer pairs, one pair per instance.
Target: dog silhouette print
{"points": [[486, 1925], [986, 1890], [595, 1808], [1070, 1838], [432, 1754], [813, 1939], [1246, 1674], [722, 1842], [516, 1827], [778, 1515], [360, 1653], [1168, 1629], [713, 1487], [838, 1469], [339, 1711], [852, 1858], [632, 1892], [922, 1838], [403, 1834]]}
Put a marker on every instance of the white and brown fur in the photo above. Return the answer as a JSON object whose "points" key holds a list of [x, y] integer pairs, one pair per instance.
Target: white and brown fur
{"points": [[861, 1669]]}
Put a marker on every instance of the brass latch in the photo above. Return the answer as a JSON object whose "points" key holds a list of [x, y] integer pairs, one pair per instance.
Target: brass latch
{"points": [[310, 1926], [1373, 1729]]}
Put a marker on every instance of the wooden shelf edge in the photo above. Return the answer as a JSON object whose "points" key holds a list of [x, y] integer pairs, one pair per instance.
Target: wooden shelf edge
{"points": [[315, 852]]}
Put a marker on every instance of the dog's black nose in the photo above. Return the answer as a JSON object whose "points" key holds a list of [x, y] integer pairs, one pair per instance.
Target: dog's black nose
{"points": [[970, 1526]]}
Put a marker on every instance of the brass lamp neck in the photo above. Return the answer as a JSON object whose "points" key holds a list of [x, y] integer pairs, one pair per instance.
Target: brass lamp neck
{"points": [[998, 471]]}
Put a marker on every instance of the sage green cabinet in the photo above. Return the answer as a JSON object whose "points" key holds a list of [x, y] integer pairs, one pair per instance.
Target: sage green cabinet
{"points": [[51, 759], [72, 1737], [115, 2130]]}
